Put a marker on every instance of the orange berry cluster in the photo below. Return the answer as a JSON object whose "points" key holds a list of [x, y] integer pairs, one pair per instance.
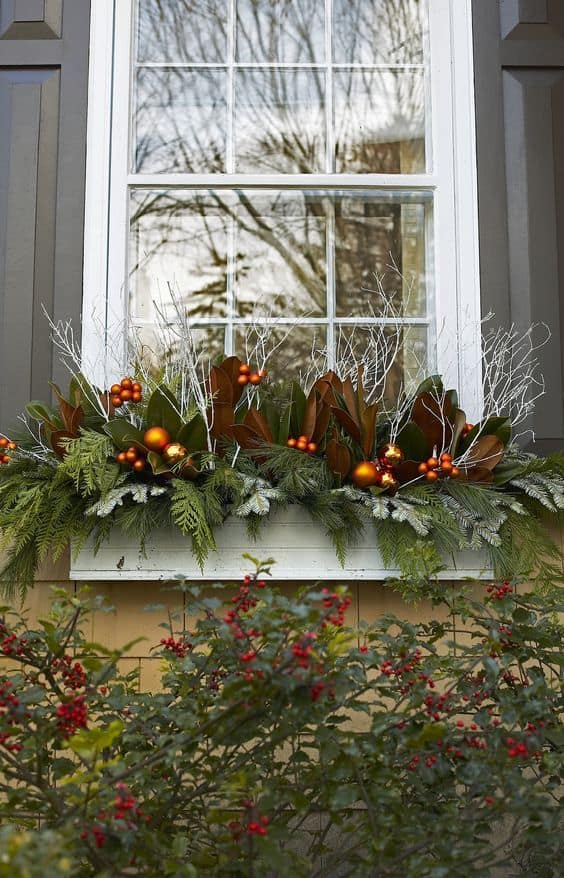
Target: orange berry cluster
{"points": [[434, 467], [6, 445], [126, 391], [466, 429], [248, 377], [302, 443], [133, 458]]}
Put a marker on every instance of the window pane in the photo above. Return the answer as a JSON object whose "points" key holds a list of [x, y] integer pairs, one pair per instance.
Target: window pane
{"points": [[378, 31], [295, 347], [152, 345], [280, 247], [291, 31], [379, 121], [359, 344], [280, 121], [178, 240], [379, 236], [182, 30], [180, 120]]}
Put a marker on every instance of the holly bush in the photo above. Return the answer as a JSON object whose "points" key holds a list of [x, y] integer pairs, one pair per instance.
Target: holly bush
{"points": [[284, 743]]}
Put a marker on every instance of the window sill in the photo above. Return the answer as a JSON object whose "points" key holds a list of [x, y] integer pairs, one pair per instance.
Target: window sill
{"points": [[300, 547]]}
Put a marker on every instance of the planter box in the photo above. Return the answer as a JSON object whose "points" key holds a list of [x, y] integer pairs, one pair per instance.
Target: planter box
{"points": [[300, 547]]}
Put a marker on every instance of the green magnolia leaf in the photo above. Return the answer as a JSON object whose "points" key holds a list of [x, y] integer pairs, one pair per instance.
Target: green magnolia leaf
{"points": [[299, 401], [194, 434], [163, 411], [413, 443], [432, 384], [507, 470], [499, 427], [39, 411], [123, 434]]}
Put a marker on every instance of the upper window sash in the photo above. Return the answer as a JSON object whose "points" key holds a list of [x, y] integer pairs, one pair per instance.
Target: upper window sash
{"points": [[451, 158]]}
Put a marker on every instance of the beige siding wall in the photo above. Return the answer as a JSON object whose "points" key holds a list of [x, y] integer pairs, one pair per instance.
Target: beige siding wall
{"points": [[131, 620]]}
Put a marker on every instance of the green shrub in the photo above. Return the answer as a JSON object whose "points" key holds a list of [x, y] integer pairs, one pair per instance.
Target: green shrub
{"points": [[284, 743]]}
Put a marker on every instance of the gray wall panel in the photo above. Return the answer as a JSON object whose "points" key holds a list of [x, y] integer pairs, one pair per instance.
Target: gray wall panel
{"points": [[519, 79], [43, 104]]}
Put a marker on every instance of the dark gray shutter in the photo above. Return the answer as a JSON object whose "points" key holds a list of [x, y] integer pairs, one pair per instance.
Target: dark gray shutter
{"points": [[43, 97], [519, 77]]}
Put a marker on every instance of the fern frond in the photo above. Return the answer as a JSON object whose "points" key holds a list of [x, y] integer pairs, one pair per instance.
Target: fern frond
{"points": [[189, 514]]}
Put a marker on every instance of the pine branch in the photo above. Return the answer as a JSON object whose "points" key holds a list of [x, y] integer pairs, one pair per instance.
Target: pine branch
{"points": [[189, 514]]}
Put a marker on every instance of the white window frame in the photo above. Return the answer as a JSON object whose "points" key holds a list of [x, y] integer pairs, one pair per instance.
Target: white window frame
{"points": [[453, 182]]}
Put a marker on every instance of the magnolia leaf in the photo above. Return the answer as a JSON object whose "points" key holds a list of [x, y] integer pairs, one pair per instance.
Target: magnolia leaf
{"points": [[123, 434], [230, 367], [350, 400], [58, 440], [476, 474], [345, 420], [163, 411], [257, 422], [310, 415], [339, 457], [507, 470], [407, 471], [459, 420], [158, 465], [496, 426], [194, 434], [486, 452], [368, 427], [322, 422], [221, 386], [284, 426], [77, 420], [39, 411], [431, 417], [413, 442], [298, 408], [432, 384], [246, 437], [222, 418]]}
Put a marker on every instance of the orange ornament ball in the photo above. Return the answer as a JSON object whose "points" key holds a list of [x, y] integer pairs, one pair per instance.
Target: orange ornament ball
{"points": [[455, 472], [3, 442], [291, 443], [121, 458], [301, 445], [244, 369], [139, 465], [156, 438], [432, 476], [422, 468], [243, 379], [365, 474], [255, 378], [115, 389], [311, 447], [432, 463], [446, 467], [390, 455], [388, 481], [126, 383], [136, 387], [136, 396], [126, 395], [131, 455], [116, 401]]}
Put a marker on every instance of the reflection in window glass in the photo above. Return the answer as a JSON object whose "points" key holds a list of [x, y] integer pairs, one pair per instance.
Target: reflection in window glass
{"points": [[180, 120], [379, 121], [295, 347], [153, 346], [371, 237], [182, 31], [289, 31], [178, 241], [378, 31], [280, 121], [280, 252], [356, 343]]}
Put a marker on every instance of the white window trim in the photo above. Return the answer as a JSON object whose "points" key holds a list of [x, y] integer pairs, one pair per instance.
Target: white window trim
{"points": [[454, 236]]}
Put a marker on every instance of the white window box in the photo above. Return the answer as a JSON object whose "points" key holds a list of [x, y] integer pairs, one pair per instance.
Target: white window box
{"points": [[299, 546]]}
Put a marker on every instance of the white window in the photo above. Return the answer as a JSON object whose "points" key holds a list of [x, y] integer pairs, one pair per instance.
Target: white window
{"points": [[285, 151]]}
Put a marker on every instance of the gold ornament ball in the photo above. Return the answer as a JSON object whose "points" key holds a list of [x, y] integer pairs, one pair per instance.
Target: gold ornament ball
{"points": [[388, 481], [390, 455], [365, 474], [156, 438], [174, 452]]}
